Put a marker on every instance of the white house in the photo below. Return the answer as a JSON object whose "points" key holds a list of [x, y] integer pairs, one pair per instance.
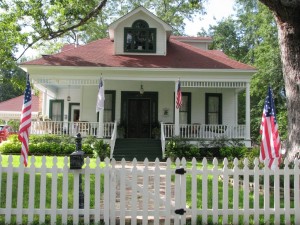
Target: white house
{"points": [[141, 64]]}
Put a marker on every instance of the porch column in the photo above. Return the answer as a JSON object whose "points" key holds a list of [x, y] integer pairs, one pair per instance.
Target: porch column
{"points": [[247, 131], [101, 123], [177, 129], [45, 101], [100, 108]]}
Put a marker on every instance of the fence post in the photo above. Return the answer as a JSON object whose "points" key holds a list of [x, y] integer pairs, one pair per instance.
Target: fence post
{"points": [[106, 191]]}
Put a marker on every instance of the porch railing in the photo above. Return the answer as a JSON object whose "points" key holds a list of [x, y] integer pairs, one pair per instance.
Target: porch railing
{"points": [[205, 131], [113, 139], [71, 128]]}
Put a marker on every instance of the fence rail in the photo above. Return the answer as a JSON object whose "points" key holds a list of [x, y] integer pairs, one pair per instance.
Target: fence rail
{"points": [[115, 192]]}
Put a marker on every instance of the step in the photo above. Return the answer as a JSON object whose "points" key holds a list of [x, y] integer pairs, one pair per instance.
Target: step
{"points": [[137, 148]]}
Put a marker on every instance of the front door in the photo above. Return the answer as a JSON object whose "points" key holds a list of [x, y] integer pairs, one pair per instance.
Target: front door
{"points": [[139, 118]]}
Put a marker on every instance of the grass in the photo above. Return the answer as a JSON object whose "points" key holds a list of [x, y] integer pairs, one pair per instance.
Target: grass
{"points": [[60, 164]]}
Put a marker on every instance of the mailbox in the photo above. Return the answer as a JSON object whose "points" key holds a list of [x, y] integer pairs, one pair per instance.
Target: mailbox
{"points": [[77, 157]]}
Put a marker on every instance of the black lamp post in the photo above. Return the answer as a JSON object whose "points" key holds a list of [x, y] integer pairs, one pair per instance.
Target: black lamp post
{"points": [[76, 162]]}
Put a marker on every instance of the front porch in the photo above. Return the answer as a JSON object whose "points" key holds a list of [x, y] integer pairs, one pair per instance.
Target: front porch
{"points": [[109, 131], [188, 131]]}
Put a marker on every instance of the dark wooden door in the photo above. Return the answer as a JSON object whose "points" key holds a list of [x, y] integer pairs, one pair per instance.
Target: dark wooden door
{"points": [[138, 118]]}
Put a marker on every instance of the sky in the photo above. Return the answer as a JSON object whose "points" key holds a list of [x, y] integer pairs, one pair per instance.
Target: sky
{"points": [[217, 9]]}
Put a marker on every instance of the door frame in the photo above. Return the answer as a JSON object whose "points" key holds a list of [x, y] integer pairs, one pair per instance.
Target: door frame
{"points": [[70, 110], [126, 95]]}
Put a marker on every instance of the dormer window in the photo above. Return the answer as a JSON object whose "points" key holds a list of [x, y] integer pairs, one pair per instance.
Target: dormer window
{"points": [[140, 38]]}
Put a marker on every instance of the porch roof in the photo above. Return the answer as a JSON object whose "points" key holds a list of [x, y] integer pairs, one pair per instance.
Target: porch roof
{"points": [[100, 53]]}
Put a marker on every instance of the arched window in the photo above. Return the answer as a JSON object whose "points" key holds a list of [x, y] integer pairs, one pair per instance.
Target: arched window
{"points": [[139, 38]]}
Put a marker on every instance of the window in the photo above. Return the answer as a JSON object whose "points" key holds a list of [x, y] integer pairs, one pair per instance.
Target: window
{"points": [[185, 109], [109, 107], [213, 108], [56, 110], [140, 38]]}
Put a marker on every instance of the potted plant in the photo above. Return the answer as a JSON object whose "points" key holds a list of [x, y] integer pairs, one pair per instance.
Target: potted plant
{"points": [[121, 130], [156, 132]]}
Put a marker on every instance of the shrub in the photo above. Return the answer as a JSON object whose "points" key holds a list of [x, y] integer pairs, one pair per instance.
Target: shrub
{"points": [[179, 148], [50, 144], [101, 149], [8, 147]]}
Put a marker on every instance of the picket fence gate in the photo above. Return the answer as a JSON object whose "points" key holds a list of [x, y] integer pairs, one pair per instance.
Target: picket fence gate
{"points": [[149, 193]]}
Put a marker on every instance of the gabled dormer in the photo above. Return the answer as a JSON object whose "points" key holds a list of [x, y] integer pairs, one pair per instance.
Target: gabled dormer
{"points": [[140, 32]]}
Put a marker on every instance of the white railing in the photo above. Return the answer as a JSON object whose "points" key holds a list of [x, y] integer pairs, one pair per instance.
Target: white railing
{"points": [[113, 139], [139, 192], [205, 131], [71, 128]]}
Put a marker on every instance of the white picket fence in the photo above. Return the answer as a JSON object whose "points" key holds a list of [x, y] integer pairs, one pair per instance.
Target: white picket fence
{"points": [[149, 193]]}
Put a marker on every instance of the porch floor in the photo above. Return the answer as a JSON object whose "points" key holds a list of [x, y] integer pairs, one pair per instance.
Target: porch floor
{"points": [[139, 148]]}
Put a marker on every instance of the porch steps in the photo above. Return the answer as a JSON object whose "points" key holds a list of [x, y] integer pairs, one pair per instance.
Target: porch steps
{"points": [[139, 148]]}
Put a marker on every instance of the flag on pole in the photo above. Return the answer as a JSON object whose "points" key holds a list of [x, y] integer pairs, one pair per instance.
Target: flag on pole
{"points": [[100, 97], [25, 123], [178, 96], [270, 140]]}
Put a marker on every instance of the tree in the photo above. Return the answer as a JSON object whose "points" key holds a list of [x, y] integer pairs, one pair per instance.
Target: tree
{"points": [[26, 23], [12, 83], [287, 17], [251, 37]]}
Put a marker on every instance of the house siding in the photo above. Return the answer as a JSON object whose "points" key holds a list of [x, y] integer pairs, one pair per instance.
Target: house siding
{"points": [[166, 93]]}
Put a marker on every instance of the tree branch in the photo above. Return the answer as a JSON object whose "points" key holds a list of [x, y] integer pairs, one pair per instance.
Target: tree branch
{"points": [[54, 34]]}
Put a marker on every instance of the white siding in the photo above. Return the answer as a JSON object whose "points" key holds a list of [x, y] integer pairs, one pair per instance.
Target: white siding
{"points": [[165, 100]]}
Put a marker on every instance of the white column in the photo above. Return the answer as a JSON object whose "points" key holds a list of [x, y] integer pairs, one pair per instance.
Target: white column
{"points": [[101, 124], [247, 131], [45, 101], [177, 129]]}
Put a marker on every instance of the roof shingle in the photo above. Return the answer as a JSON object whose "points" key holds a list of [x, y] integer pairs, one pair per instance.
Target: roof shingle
{"points": [[179, 55]]}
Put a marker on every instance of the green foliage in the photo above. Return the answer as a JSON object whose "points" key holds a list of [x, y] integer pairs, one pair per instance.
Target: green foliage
{"points": [[231, 152], [7, 147], [15, 124], [50, 144], [251, 37], [179, 148], [12, 81], [101, 149]]}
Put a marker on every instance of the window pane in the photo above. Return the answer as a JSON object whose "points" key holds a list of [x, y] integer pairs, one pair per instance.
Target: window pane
{"points": [[213, 105], [213, 110], [213, 118], [108, 104], [56, 111], [184, 106], [183, 117], [108, 101]]}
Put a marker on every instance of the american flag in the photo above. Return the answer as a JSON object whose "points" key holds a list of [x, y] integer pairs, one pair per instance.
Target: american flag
{"points": [[25, 122], [178, 96], [100, 97], [270, 142]]}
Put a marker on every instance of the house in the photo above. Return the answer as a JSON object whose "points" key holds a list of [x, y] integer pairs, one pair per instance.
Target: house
{"points": [[11, 109], [141, 65]]}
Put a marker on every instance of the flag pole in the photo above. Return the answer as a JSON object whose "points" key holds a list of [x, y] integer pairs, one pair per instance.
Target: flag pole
{"points": [[177, 105], [100, 107], [25, 123]]}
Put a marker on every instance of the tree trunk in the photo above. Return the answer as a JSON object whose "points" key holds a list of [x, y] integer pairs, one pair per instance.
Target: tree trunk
{"points": [[287, 17]]}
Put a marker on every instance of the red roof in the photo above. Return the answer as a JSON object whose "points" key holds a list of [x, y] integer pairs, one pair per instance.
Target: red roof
{"points": [[179, 55], [15, 104]]}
